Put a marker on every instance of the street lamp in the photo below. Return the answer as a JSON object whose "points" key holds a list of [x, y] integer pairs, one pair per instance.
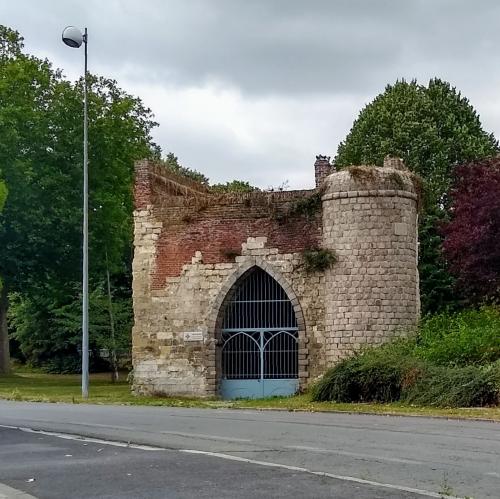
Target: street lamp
{"points": [[73, 37]]}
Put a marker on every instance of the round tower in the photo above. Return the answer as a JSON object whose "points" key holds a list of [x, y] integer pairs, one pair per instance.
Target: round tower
{"points": [[370, 223]]}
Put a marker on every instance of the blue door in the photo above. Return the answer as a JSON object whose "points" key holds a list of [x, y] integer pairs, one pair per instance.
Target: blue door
{"points": [[259, 340]]}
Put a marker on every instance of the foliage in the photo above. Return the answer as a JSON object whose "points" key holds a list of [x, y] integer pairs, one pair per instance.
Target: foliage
{"points": [[41, 129], [171, 162], [375, 375], [11, 43], [378, 375], [453, 362], [470, 386], [3, 194], [318, 259], [437, 284], [3, 197], [432, 128], [234, 186], [40, 152], [461, 339], [472, 236], [307, 206], [31, 317]]}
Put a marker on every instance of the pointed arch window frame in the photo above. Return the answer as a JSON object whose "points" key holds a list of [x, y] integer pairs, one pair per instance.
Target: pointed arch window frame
{"points": [[215, 319]]}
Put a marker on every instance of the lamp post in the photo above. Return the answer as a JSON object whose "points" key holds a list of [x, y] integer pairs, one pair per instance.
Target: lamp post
{"points": [[73, 37]]}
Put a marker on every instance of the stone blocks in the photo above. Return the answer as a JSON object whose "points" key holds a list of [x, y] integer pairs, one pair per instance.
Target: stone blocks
{"points": [[191, 247]]}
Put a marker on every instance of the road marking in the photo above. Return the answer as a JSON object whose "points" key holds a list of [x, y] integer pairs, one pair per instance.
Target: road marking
{"points": [[7, 492], [492, 473], [79, 438], [402, 488], [354, 454], [112, 427], [229, 457], [205, 437]]}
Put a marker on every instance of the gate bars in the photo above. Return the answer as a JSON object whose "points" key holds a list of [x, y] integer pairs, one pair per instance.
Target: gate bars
{"points": [[259, 333]]}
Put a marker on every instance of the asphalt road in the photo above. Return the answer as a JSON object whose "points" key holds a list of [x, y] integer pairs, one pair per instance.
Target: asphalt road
{"points": [[48, 467], [260, 454]]}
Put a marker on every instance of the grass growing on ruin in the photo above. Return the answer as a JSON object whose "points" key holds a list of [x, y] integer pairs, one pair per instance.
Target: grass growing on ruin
{"points": [[40, 387]]}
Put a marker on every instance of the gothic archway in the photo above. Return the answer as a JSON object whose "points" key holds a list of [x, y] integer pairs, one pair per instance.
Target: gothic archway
{"points": [[258, 339]]}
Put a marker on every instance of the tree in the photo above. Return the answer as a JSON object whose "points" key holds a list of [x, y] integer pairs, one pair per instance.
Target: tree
{"points": [[432, 129], [171, 162], [4, 340], [471, 237], [437, 284], [234, 186], [33, 315], [41, 129]]}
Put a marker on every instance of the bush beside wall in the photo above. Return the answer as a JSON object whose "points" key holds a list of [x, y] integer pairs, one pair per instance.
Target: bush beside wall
{"points": [[454, 361]]}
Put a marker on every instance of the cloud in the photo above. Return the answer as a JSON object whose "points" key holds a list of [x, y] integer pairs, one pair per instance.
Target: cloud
{"points": [[265, 140], [255, 89]]}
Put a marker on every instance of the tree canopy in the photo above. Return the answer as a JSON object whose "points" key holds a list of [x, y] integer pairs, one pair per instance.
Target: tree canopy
{"points": [[431, 128], [41, 131], [471, 243]]}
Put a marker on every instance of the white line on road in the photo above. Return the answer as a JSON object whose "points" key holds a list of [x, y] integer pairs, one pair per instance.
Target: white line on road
{"points": [[354, 454], [229, 457], [492, 473], [112, 427], [204, 436], [402, 488], [79, 438]]}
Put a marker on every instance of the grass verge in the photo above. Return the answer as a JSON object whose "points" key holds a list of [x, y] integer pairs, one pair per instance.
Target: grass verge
{"points": [[40, 387]]}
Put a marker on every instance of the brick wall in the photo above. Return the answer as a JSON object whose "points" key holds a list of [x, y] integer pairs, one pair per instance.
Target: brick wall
{"points": [[191, 246]]}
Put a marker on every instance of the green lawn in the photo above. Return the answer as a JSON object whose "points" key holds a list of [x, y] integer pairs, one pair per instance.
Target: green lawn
{"points": [[40, 387]]}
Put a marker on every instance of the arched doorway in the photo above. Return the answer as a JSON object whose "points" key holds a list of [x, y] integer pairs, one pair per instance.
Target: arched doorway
{"points": [[259, 347]]}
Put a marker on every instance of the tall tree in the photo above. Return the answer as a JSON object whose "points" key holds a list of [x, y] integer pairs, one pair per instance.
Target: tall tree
{"points": [[41, 129], [4, 340], [472, 236], [432, 129]]}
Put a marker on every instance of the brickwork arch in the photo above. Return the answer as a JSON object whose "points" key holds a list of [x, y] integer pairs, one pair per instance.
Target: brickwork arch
{"points": [[217, 312]]}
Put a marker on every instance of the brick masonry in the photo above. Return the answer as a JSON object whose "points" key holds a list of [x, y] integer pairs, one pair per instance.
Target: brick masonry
{"points": [[192, 246]]}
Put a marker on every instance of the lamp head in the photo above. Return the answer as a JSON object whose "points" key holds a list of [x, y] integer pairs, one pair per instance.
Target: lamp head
{"points": [[72, 37]]}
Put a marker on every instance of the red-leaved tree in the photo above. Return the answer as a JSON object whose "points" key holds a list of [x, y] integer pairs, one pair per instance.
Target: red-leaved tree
{"points": [[472, 236]]}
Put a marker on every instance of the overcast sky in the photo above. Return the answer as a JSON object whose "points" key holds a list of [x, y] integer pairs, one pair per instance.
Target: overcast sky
{"points": [[254, 89]]}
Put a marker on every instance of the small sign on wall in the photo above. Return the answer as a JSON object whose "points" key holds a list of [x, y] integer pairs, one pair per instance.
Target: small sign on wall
{"points": [[193, 336]]}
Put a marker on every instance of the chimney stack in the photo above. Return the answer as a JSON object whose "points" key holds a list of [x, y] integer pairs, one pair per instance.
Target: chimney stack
{"points": [[322, 168]]}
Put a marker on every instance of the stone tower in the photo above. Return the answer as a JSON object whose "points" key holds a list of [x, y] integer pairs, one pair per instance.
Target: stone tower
{"points": [[370, 222]]}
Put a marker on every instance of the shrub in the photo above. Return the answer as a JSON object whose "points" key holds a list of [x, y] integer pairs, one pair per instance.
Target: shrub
{"points": [[392, 373], [62, 364], [470, 386], [354, 381], [468, 337], [374, 375]]}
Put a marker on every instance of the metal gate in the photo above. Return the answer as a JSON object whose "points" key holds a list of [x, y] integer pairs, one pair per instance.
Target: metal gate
{"points": [[259, 340]]}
